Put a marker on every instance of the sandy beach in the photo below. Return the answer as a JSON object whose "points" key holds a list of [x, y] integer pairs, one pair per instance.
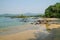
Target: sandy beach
{"points": [[25, 34], [54, 26], [27, 31], [19, 36]]}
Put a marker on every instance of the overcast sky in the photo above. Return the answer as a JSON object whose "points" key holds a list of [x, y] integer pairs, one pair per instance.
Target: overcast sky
{"points": [[25, 6]]}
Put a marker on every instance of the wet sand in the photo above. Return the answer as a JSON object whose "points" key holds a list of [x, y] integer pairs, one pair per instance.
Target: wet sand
{"points": [[27, 32]]}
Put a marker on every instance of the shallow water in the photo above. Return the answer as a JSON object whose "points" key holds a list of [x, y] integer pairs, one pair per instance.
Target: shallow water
{"points": [[8, 22], [9, 25]]}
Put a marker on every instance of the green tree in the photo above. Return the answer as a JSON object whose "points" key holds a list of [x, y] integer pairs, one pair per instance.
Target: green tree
{"points": [[53, 11]]}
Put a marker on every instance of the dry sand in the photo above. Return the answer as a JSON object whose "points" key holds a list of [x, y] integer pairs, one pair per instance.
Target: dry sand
{"points": [[19, 36], [54, 26]]}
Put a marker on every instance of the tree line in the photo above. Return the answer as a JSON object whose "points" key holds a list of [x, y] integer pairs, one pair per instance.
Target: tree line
{"points": [[53, 11]]}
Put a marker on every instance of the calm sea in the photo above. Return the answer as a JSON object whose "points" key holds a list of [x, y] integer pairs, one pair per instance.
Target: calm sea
{"points": [[6, 22], [9, 25]]}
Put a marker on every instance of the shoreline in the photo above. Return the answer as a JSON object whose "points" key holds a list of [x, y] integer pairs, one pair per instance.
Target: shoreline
{"points": [[21, 28], [26, 34], [28, 31]]}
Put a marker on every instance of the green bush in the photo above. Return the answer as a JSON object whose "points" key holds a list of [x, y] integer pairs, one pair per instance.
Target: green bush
{"points": [[53, 11]]}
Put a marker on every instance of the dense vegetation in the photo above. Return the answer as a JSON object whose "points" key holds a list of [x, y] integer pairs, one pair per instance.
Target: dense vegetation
{"points": [[53, 11]]}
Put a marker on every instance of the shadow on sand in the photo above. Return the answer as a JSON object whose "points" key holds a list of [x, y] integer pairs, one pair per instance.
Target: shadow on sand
{"points": [[54, 35]]}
